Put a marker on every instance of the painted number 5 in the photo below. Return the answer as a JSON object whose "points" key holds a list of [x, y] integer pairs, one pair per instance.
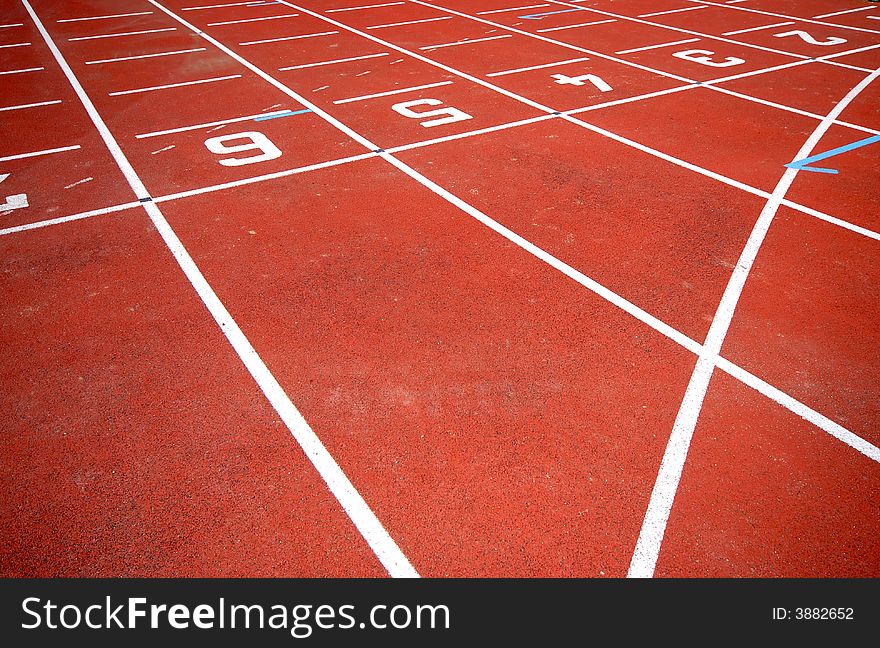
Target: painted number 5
{"points": [[255, 142], [447, 115]]}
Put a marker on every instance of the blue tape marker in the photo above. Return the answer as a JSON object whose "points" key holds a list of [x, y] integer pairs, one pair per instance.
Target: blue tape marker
{"points": [[801, 165], [548, 13], [287, 113]]}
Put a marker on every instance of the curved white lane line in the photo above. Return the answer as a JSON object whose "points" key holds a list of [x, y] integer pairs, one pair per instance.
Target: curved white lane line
{"points": [[647, 549]]}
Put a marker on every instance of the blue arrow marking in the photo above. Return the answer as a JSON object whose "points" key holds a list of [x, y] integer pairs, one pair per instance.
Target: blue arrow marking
{"points": [[548, 13], [801, 165]]}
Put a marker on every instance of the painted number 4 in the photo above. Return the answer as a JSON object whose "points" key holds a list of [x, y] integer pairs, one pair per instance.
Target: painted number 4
{"points": [[15, 201], [253, 141], [561, 79]]}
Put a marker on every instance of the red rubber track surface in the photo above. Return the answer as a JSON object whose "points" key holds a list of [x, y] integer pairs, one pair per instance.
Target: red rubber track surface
{"points": [[486, 249]]}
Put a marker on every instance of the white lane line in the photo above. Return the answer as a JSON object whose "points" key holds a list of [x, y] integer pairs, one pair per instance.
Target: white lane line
{"points": [[710, 174], [146, 56], [764, 388], [475, 213], [850, 67], [681, 30], [117, 35], [840, 13], [807, 413], [796, 111], [22, 70], [22, 156], [635, 311], [626, 100], [753, 29], [218, 6], [547, 39], [369, 526], [124, 15], [79, 182], [537, 67], [410, 22], [788, 17], [162, 150], [264, 177], [801, 61], [857, 229], [393, 92], [750, 380], [671, 11], [465, 42], [249, 20], [497, 11], [658, 46], [12, 25], [174, 85], [874, 17], [733, 77], [67, 219], [847, 53], [622, 140], [331, 62], [288, 38], [609, 295], [344, 491], [30, 105], [15, 45], [586, 24], [373, 6], [221, 122], [644, 558]]}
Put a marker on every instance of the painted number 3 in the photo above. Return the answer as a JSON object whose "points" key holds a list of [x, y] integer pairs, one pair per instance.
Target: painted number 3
{"points": [[252, 141]]}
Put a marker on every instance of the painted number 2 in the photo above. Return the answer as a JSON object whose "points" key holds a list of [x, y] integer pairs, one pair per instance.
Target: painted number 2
{"points": [[807, 38], [254, 142], [446, 115]]}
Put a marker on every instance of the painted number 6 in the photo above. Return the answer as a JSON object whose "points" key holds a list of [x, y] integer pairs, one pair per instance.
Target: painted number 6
{"points": [[447, 115], [257, 142]]}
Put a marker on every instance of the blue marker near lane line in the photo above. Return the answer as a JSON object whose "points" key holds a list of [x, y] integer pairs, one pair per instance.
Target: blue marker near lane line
{"points": [[287, 113], [801, 165], [538, 16]]}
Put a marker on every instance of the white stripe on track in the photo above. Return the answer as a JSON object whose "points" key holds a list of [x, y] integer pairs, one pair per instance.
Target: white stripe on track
{"points": [[647, 551], [106, 17], [346, 494]]}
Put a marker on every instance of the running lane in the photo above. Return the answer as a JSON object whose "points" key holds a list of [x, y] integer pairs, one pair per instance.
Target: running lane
{"points": [[137, 444], [501, 419]]}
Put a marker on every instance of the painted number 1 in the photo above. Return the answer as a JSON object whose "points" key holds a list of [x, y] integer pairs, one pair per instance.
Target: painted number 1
{"points": [[253, 141]]}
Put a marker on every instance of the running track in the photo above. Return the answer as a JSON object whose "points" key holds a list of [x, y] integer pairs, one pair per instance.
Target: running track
{"points": [[440, 288]]}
